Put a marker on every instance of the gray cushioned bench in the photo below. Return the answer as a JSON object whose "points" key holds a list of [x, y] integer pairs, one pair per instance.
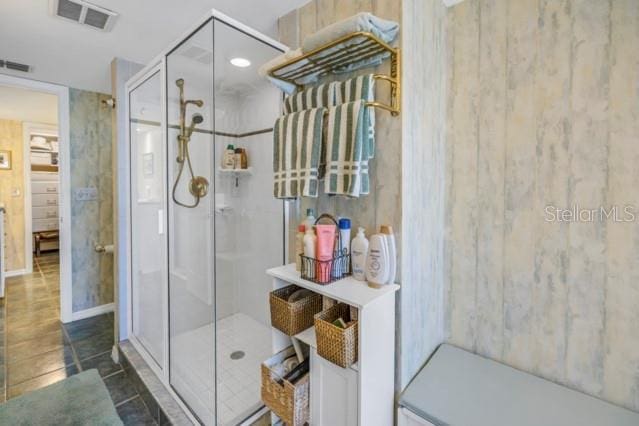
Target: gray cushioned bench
{"points": [[458, 388]]}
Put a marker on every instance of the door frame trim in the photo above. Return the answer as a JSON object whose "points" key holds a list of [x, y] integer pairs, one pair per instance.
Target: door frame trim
{"points": [[64, 170]]}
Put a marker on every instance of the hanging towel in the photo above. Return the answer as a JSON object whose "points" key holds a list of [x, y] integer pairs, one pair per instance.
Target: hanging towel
{"points": [[363, 21], [296, 153], [285, 86], [361, 87], [323, 95], [382, 28], [345, 162]]}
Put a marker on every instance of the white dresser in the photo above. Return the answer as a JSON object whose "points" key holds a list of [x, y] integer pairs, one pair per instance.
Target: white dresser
{"points": [[44, 204]]}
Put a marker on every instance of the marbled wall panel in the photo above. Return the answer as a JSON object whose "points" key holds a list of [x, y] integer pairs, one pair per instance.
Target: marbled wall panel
{"points": [[421, 300], [490, 174], [569, 299], [588, 186], [462, 141], [552, 105], [92, 221], [620, 381], [288, 27], [307, 19], [519, 206], [11, 180]]}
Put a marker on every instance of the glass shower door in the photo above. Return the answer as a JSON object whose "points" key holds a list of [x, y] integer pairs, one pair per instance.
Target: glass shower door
{"points": [[224, 227], [148, 204], [249, 222], [189, 71]]}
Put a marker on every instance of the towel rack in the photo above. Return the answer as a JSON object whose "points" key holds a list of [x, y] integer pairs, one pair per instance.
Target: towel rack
{"points": [[341, 53]]}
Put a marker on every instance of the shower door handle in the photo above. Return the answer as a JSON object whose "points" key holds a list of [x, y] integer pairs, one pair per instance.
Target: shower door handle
{"points": [[160, 221]]}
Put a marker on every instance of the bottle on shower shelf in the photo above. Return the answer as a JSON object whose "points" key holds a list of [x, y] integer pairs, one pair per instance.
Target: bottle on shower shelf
{"points": [[228, 159], [243, 159], [237, 159]]}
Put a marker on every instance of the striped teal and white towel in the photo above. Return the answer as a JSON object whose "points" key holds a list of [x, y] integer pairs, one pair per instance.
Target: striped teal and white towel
{"points": [[297, 152], [323, 95], [345, 141], [361, 87]]}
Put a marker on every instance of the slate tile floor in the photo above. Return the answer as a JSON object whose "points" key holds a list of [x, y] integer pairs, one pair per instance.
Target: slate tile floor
{"points": [[38, 350]]}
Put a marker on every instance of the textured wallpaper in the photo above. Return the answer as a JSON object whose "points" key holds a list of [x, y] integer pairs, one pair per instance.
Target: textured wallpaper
{"points": [[92, 220], [10, 180], [543, 113]]}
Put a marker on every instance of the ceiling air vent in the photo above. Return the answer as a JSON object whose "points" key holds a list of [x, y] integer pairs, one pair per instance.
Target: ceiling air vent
{"points": [[84, 13], [15, 66]]}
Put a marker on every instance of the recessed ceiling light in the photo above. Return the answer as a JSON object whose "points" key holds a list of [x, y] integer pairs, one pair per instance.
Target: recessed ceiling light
{"points": [[241, 62]]}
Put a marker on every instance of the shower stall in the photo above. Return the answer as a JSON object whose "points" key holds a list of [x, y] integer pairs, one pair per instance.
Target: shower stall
{"points": [[201, 236]]}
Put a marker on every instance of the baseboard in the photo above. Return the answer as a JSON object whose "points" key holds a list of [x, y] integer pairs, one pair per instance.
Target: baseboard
{"points": [[15, 273], [92, 312]]}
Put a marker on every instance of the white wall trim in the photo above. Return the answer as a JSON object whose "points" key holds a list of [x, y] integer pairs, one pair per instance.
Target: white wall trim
{"points": [[92, 312], [15, 273], [66, 288], [27, 129]]}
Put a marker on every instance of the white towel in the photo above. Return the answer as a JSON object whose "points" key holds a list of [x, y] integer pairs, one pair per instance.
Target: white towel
{"points": [[296, 153], [365, 21], [384, 29]]}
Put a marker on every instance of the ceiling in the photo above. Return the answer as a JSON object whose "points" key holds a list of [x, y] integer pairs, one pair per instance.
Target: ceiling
{"points": [[73, 55], [28, 105]]}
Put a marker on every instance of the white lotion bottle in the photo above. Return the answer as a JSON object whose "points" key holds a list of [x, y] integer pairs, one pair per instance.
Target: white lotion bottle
{"points": [[310, 241], [299, 246], [309, 220], [377, 261], [387, 230], [359, 251]]}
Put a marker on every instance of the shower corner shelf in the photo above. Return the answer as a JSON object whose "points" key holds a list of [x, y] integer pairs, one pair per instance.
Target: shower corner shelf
{"points": [[330, 57], [235, 172]]}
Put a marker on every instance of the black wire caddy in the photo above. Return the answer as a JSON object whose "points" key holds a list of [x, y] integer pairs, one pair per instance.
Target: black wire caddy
{"points": [[327, 271]]}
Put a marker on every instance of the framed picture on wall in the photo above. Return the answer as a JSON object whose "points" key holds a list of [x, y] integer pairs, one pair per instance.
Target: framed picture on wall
{"points": [[5, 160]]}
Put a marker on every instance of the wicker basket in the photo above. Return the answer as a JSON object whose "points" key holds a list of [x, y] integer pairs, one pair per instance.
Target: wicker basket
{"points": [[338, 345], [292, 318], [290, 402]]}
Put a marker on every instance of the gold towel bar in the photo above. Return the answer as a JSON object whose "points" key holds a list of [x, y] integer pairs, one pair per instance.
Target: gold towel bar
{"points": [[341, 53]]}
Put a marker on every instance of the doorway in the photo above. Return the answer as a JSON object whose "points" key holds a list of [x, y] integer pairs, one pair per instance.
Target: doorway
{"points": [[35, 188]]}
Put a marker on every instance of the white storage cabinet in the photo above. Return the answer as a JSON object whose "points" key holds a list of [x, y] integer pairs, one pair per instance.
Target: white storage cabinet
{"points": [[364, 393]]}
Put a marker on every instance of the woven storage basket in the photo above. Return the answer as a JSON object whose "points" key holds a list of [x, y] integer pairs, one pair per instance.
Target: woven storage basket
{"points": [[290, 402], [292, 318], [338, 345]]}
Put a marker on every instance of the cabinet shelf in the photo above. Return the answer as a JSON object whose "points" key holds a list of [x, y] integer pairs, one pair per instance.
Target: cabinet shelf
{"points": [[347, 290]]}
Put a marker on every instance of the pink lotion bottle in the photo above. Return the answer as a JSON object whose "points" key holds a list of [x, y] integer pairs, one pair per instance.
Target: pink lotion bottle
{"points": [[324, 251]]}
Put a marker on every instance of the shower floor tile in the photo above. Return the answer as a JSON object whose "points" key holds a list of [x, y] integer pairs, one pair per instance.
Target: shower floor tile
{"points": [[239, 378]]}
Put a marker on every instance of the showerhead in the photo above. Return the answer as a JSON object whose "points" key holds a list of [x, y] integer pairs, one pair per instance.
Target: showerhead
{"points": [[196, 119], [179, 82]]}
